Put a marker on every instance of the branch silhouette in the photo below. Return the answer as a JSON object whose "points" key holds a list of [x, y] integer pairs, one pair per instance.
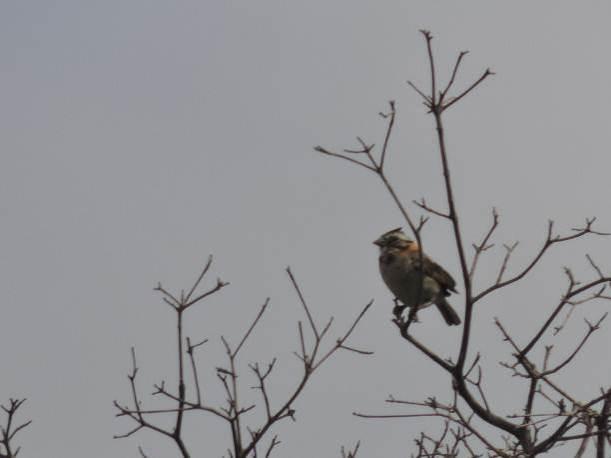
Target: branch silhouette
{"points": [[513, 439]]}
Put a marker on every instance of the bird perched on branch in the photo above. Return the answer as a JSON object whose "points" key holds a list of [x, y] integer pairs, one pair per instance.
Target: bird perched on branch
{"points": [[414, 278]]}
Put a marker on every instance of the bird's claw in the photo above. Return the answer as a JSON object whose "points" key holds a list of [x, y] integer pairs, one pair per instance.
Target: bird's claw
{"points": [[398, 308]]}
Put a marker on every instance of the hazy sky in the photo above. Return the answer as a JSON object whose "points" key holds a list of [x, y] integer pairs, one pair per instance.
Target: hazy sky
{"points": [[138, 137]]}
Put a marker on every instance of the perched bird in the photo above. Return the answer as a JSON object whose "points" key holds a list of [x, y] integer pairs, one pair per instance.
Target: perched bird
{"points": [[415, 279]]}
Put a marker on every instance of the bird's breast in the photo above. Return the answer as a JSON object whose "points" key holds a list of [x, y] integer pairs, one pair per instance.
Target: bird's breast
{"points": [[404, 281]]}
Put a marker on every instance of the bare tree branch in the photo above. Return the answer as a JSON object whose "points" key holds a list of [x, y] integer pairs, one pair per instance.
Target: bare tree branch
{"points": [[9, 430]]}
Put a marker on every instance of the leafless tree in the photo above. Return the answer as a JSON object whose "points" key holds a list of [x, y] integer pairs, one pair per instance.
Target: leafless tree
{"points": [[247, 439], [9, 429], [549, 415]]}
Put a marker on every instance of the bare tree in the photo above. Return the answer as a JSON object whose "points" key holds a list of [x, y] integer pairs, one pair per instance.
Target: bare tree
{"points": [[9, 429], [549, 415], [247, 439]]}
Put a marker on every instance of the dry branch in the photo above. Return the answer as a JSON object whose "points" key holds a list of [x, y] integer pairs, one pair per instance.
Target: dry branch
{"points": [[232, 412], [9, 429]]}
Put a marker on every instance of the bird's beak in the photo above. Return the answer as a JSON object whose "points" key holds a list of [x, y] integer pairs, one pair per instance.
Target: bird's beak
{"points": [[378, 242]]}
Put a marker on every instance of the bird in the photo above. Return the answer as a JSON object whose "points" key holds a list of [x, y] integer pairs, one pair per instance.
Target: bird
{"points": [[414, 278]]}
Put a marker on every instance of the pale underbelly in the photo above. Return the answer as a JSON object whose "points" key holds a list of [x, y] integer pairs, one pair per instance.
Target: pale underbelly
{"points": [[410, 289]]}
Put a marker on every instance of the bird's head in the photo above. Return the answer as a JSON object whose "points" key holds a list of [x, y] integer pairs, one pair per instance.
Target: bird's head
{"points": [[395, 239]]}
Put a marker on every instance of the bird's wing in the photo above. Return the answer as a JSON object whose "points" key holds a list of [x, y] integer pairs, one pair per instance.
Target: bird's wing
{"points": [[431, 269]]}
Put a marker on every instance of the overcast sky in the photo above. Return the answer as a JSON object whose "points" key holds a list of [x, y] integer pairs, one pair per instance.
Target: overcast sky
{"points": [[138, 137]]}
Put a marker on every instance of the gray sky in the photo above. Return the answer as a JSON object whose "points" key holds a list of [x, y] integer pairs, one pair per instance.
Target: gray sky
{"points": [[140, 136]]}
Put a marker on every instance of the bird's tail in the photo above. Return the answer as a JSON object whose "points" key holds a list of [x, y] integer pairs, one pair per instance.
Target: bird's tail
{"points": [[448, 313]]}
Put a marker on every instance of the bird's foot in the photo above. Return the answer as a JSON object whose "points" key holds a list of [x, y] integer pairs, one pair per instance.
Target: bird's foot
{"points": [[398, 309], [412, 317]]}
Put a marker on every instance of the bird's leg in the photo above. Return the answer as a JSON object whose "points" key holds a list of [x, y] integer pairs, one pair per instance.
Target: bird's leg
{"points": [[398, 309], [412, 317]]}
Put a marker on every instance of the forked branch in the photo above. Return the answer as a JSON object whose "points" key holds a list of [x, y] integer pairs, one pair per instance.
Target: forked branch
{"points": [[10, 428], [233, 411]]}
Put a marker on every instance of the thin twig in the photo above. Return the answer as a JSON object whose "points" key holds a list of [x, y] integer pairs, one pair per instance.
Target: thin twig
{"points": [[483, 245]]}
